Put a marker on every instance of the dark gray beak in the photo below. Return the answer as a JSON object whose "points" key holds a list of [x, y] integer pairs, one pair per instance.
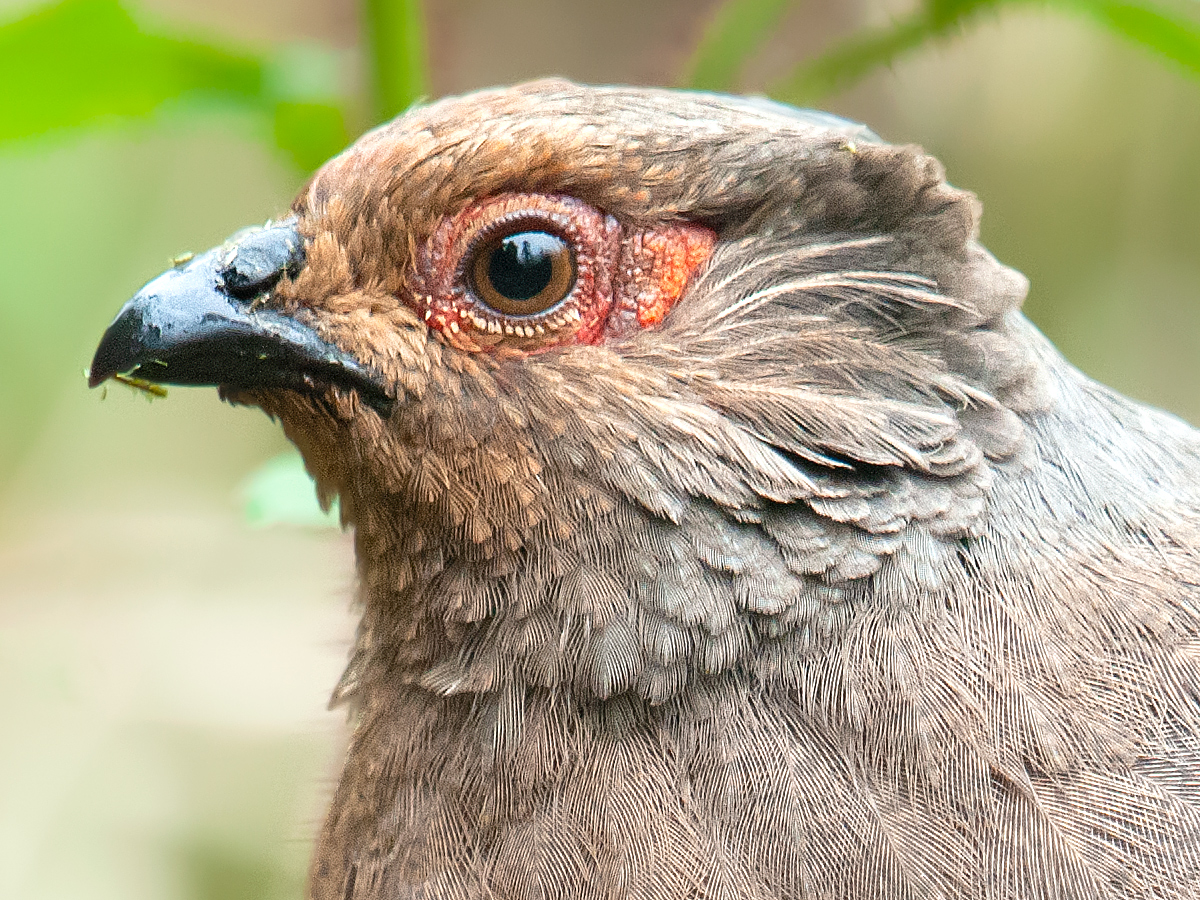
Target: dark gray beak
{"points": [[195, 325]]}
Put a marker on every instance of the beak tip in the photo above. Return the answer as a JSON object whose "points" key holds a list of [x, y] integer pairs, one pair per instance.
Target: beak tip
{"points": [[118, 349], [98, 374]]}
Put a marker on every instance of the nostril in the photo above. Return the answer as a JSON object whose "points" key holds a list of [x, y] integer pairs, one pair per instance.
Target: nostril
{"points": [[254, 262]]}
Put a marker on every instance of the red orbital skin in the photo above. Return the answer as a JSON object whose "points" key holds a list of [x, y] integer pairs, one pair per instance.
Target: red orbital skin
{"points": [[626, 277]]}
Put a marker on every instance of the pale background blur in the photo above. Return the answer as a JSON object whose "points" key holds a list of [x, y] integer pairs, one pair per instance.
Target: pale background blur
{"points": [[163, 665]]}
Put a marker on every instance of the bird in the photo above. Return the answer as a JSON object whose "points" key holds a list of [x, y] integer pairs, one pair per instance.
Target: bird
{"points": [[723, 529]]}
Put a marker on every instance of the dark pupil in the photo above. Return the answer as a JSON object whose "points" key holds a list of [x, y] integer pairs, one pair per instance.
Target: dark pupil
{"points": [[523, 264]]}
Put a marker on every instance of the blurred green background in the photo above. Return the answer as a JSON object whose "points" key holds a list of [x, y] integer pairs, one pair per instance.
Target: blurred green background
{"points": [[164, 659]]}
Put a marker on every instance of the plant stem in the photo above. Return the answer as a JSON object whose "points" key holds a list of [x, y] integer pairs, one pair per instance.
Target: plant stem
{"points": [[396, 39]]}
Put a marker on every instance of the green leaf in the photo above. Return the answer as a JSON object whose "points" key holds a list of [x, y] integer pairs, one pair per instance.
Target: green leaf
{"points": [[280, 492], [853, 58], [83, 63], [87, 61], [1169, 34], [734, 34], [397, 39]]}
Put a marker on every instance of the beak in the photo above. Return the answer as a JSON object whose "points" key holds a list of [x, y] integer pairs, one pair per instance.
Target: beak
{"points": [[195, 325]]}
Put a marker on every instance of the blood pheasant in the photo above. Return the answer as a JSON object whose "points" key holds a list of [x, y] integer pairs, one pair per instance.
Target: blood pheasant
{"points": [[723, 528]]}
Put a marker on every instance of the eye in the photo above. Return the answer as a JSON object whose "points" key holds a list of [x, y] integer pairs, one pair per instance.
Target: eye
{"points": [[528, 272], [524, 273], [525, 270]]}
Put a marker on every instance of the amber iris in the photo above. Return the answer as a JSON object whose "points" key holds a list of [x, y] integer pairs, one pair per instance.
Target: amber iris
{"points": [[524, 273]]}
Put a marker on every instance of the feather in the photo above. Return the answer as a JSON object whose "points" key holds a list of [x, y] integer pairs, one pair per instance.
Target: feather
{"points": [[834, 581]]}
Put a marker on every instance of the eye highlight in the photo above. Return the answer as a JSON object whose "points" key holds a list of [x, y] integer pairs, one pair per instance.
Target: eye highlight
{"points": [[524, 273]]}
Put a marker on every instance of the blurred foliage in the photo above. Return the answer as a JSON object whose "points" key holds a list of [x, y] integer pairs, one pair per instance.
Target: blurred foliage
{"points": [[1170, 35], [736, 32], [84, 63], [281, 492], [396, 30], [741, 26]]}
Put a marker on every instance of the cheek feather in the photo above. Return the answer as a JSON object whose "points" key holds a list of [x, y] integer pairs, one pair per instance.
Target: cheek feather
{"points": [[621, 277]]}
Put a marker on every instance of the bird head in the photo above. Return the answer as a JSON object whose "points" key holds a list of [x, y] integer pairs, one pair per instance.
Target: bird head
{"points": [[618, 387]]}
